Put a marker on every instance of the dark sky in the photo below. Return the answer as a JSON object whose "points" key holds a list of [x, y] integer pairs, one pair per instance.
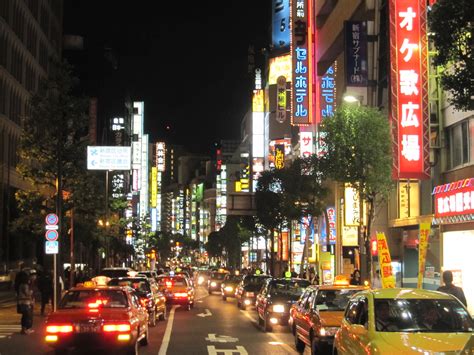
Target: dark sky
{"points": [[186, 59]]}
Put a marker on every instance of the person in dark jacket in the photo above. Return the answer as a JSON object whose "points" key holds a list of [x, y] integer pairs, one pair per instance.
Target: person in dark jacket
{"points": [[45, 286], [451, 289], [356, 279], [25, 303]]}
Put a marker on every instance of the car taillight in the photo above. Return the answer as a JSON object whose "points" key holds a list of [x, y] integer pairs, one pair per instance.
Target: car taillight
{"points": [[249, 294], [169, 284], [181, 294], [63, 328], [124, 327]]}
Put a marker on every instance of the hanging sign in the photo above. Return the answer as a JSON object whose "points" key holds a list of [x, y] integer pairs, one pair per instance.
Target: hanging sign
{"points": [[385, 261]]}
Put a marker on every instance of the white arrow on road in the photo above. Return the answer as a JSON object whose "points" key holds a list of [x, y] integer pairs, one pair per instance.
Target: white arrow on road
{"points": [[205, 314], [221, 339]]}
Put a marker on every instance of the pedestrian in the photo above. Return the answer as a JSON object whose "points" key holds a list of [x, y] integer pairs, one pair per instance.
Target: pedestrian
{"points": [[25, 304], [355, 278], [451, 289], [45, 285], [376, 282]]}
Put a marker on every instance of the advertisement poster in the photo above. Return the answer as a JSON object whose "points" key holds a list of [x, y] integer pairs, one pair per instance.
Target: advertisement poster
{"points": [[385, 261], [425, 229]]}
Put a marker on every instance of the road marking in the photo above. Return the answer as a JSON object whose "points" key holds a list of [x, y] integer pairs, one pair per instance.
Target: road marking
{"points": [[272, 335], [207, 313], [167, 336], [221, 339], [211, 350], [7, 330]]}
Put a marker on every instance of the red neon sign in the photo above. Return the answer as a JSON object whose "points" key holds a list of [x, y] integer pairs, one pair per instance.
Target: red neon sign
{"points": [[454, 199], [409, 101]]}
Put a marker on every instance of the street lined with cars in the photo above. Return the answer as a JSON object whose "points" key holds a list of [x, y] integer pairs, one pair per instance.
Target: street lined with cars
{"points": [[167, 314]]}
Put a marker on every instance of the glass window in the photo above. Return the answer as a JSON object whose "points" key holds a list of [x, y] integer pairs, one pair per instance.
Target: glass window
{"points": [[291, 289], [351, 312], [333, 300], [94, 299], [459, 144], [422, 315]]}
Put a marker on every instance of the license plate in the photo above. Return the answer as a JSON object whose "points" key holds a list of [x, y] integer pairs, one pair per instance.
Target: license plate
{"points": [[87, 328]]}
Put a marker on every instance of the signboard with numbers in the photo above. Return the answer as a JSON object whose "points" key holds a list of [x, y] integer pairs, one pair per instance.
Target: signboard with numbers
{"points": [[409, 100]]}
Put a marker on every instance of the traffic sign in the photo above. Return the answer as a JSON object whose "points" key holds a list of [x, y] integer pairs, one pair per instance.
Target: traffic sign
{"points": [[52, 247], [51, 235], [52, 219], [52, 227]]}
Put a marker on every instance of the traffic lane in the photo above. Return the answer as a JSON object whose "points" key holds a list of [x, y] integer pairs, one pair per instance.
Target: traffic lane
{"points": [[214, 326], [19, 344]]}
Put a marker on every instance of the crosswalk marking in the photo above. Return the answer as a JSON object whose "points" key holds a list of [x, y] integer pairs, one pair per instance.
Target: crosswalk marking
{"points": [[7, 330]]}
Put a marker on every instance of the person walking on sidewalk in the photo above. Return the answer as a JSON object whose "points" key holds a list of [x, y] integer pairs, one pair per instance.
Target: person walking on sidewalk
{"points": [[25, 304], [45, 286], [451, 289]]}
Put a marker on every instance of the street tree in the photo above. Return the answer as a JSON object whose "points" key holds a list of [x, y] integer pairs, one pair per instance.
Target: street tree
{"points": [[52, 152], [451, 26], [358, 151]]}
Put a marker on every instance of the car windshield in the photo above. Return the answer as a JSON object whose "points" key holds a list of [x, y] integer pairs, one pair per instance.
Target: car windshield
{"points": [[113, 273], [254, 280], [218, 275], [233, 278], [422, 315], [94, 299], [333, 300], [288, 288], [139, 285]]}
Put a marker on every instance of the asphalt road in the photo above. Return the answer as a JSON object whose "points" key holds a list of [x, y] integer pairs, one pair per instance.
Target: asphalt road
{"points": [[213, 326]]}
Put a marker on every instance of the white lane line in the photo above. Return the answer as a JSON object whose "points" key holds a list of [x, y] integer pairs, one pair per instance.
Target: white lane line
{"points": [[167, 336], [275, 337]]}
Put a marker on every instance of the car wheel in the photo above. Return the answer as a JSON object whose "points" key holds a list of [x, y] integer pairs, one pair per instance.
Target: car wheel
{"points": [[152, 319], [299, 345], [163, 315], [144, 340], [267, 326]]}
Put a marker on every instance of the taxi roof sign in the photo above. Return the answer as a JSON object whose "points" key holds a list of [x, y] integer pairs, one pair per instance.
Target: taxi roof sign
{"points": [[257, 272], [100, 280], [341, 280], [88, 284]]}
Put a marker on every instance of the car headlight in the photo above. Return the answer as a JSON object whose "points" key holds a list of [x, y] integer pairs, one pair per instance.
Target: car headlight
{"points": [[213, 284], [328, 331], [278, 308], [249, 294], [200, 280], [228, 288]]}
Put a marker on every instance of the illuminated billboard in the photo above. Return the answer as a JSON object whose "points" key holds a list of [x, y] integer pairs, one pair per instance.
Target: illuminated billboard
{"points": [[409, 100], [258, 124], [279, 66], [160, 156], [281, 24], [154, 186], [108, 158], [302, 60], [306, 144]]}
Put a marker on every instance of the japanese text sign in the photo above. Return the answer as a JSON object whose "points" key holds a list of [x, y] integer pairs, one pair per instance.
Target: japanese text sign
{"points": [[279, 156], [409, 88], [160, 156], [327, 90], [454, 199], [422, 250], [356, 53], [331, 211], [385, 262], [301, 61], [306, 144], [281, 24]]}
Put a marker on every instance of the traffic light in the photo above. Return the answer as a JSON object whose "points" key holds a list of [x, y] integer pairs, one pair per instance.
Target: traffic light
{"points": [[373, 247]]}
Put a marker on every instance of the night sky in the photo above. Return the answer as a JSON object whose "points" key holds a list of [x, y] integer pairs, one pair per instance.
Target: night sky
{"points": [[188, 60]]}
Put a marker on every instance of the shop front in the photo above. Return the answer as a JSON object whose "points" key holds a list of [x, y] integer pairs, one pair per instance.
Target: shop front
{"points": [[454, 204]]}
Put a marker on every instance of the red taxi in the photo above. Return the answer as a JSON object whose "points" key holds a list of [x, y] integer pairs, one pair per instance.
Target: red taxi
{"points": [[98, 317], [177, 290]]}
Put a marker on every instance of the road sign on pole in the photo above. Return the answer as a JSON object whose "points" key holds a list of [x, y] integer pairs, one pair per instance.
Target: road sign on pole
{"points": [[52, 247], [51, 235], [52, 219]]}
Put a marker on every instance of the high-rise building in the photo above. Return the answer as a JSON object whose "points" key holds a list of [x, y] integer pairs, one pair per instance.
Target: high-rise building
{"points": [[30, 34]]}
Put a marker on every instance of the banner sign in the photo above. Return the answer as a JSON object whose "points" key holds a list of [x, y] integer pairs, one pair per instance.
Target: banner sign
{"points": [[301, 86], [306, 144], [385, 262], [327, 99], [425, 229], [281, 99], [453, 199], [331, 211], [279, 156], [281, 24], [356, 53], [409, 88], [109, 158]]}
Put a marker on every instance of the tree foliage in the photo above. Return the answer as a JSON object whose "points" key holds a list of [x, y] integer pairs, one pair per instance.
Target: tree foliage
{"points": [[452, 27]]}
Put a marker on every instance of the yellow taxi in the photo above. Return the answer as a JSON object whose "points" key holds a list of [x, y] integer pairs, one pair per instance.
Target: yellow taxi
{"points": [[316, 317], [404, 321], [91, 317]]}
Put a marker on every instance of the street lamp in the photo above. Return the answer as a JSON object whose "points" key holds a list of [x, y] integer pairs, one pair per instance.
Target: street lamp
{"points": [[351, 99]]}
